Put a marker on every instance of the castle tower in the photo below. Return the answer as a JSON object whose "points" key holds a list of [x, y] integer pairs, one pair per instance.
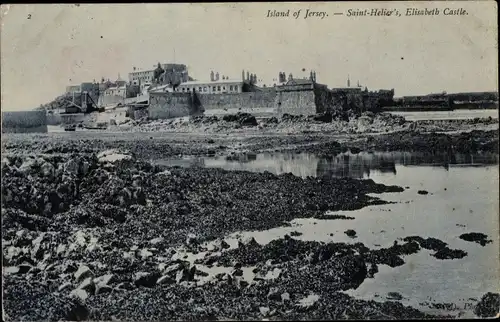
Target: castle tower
{"points": [[212, 78]]}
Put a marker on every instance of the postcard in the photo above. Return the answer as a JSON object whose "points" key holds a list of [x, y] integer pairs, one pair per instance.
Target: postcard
{"points": [[250, 161]]}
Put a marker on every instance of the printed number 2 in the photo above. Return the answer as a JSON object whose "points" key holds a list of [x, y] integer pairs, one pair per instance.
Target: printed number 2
{"points": [[29, 15]]}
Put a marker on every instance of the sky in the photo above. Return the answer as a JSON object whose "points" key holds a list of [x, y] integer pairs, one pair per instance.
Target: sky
{"points": [[45, 47]]}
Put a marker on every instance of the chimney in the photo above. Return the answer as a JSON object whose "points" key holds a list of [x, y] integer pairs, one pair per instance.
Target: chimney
{"points": [[212, 76], [248, 76], [243, 75], [290, 77], [217, 76]]}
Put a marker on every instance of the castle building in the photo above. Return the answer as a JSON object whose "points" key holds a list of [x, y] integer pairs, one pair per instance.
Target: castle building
{"points": [[148, 75], [220, 86]]}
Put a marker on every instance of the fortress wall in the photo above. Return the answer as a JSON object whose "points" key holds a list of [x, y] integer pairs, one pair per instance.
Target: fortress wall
{"points": [[296, 103], [72, 118], [138, 114], [170, 105], [257, 112], [259, 104], [251, 102], [54, 119], [24, 122]]}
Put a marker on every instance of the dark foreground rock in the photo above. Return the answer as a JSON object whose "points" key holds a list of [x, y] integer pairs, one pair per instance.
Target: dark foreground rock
{"points": [[333, 217], [91, 236], [441, 248], [488, 306], [479, 238], [430, 143], [241, 118]]}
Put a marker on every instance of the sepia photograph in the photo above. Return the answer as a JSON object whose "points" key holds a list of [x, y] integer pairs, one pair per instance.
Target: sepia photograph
{"points": [[250, 161]]}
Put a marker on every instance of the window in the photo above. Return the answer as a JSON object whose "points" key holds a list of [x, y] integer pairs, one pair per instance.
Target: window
{"points": [[213, 89], [199, 89], [224, 88], [231, 87], [218, 88], [205, 89]]}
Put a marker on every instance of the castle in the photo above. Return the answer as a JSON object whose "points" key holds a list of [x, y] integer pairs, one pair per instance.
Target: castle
{"points": [[168, 91]]}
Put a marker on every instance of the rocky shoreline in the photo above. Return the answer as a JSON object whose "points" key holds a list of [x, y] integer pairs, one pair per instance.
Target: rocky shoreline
{"points": [[246, 123], [103, 235], [98, 236]]}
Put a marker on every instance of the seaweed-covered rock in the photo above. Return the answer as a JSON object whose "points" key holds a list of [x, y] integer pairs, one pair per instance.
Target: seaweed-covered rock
{"points": [[488, 306], [479, 238]]}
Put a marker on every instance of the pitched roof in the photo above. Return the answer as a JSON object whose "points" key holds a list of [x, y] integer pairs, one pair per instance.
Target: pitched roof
{"points": [[299, 81], [222, 81]]}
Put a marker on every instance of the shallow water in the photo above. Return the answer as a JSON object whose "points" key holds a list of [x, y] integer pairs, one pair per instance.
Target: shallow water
{"points": [[361, 165], [463, 197], [448, 115]]}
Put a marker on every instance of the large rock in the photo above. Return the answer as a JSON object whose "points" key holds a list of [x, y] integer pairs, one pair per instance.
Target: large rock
{"points": [[489, 306], [102, 283], [113, 156], [145, 279], [479, 238], [47, 170], [82, 273]]}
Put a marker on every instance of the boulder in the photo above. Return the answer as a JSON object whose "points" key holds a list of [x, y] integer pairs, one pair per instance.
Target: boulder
{"points": [[71, 167], [47, 170], [103, 283], [350, 232], [165, 279], [274, 294], [82, 273], [80, 294], [488, 306], [145, 279], [87, 285], [479, 238]]}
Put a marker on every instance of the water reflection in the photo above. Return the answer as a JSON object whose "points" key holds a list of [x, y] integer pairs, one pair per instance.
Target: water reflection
{"points": [[360, 165]]}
